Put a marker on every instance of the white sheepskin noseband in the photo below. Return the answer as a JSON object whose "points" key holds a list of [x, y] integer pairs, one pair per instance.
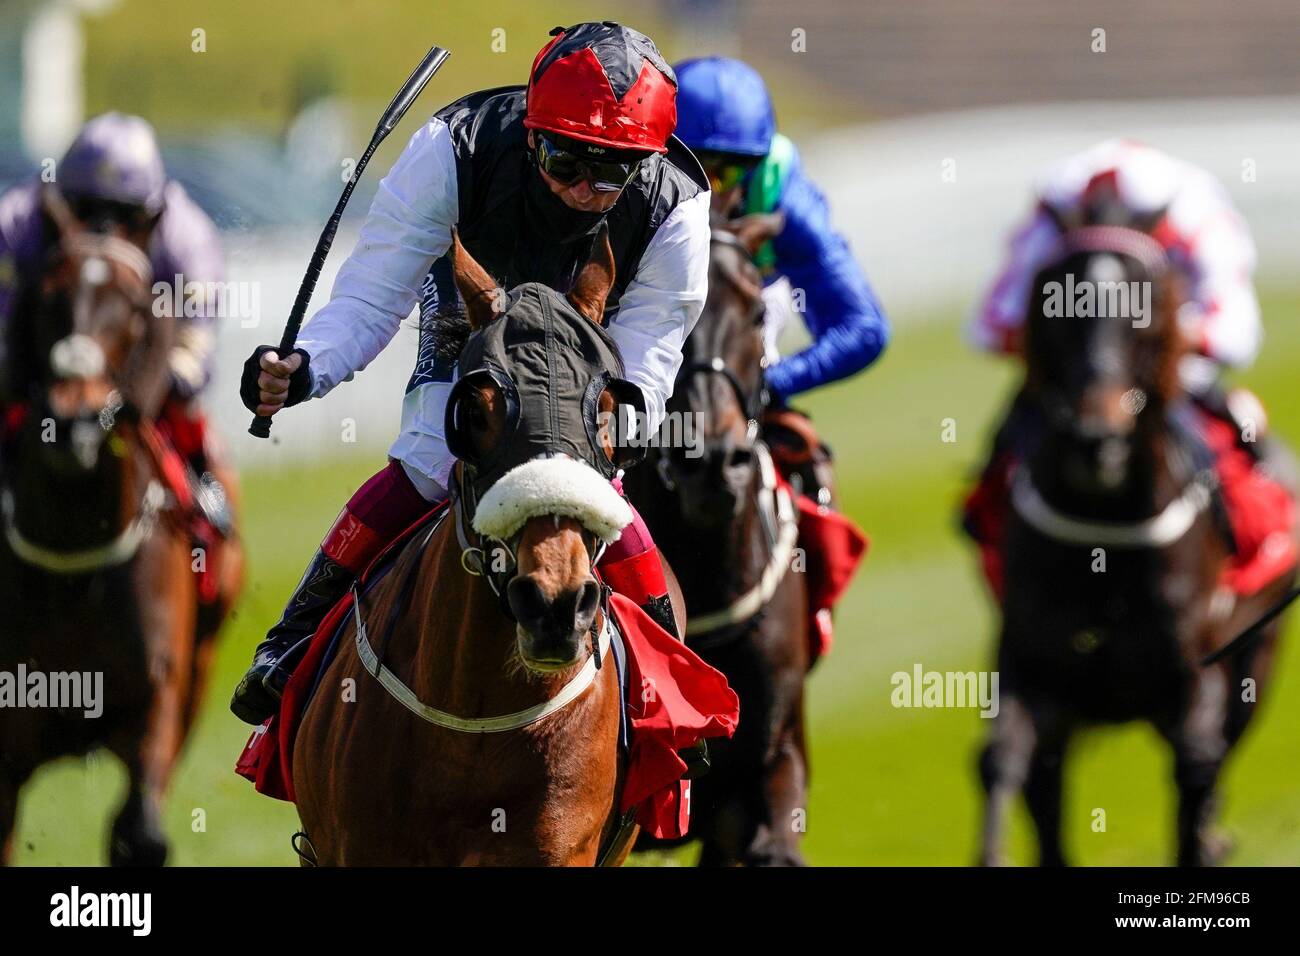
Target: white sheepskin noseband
{"points": [[552, 486]]}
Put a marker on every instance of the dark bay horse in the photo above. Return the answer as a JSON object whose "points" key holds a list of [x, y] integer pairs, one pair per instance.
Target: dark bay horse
{"points": [[96, 578], [712, 506], [1113, 554], [474, 719]]}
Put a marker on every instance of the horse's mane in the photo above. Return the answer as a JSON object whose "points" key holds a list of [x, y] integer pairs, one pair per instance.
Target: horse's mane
{"points": [[449, 330]]}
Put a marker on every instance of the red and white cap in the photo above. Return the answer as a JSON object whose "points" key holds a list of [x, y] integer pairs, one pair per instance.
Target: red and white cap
{"points": [[606, 85]]}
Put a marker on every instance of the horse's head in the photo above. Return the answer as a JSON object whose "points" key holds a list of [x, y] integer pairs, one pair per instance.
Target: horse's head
{"points": [[720, 385], [538, 378], [99, 352], [1102, 348]]}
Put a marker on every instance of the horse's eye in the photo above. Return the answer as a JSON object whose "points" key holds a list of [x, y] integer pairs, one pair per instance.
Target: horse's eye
{"points": [[477, 413]]}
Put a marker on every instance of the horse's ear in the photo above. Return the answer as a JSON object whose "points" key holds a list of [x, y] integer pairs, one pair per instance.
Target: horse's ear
{"points": [[592, 287], [475, 285], [757, 228]]}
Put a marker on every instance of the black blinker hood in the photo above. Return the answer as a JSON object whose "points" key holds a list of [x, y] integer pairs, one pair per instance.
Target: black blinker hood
{"points": [[550, 365]]}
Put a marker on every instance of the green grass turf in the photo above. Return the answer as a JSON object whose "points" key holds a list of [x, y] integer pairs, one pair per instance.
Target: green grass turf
{"points": [[889, 786]]}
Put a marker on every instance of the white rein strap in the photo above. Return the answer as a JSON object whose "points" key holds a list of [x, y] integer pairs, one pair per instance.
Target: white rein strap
{"points": [[478, 725], [1159, 531], [775, 499], [118, 551]]}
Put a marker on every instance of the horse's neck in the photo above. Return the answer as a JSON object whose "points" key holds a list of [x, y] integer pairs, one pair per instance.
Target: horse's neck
{"points": [[453, 645], [715, 568]]}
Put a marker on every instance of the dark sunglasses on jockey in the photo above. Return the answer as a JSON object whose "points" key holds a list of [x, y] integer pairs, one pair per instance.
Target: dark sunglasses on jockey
{"points": [[100, 215], [568, 162], [726, 171]]}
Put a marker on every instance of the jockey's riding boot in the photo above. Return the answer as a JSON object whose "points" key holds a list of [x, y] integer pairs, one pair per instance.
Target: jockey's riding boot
{"points": [[258, 694], [379, 511], [185, 426], [660, 610]]}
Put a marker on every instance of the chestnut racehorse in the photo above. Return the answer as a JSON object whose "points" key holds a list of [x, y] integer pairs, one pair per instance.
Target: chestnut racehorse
{"points": [[1113, 553], [729, 534], [96, 574], [443, 732]]}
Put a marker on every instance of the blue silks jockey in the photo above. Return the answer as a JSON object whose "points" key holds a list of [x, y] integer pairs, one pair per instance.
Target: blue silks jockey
{"points": [[725, 115]]}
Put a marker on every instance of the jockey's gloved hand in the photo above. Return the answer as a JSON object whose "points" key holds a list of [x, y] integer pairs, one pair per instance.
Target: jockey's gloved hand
{"points": [[270, 383]]}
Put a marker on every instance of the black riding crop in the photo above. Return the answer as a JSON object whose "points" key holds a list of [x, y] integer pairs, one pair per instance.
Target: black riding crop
{"points": [[433, 60]]}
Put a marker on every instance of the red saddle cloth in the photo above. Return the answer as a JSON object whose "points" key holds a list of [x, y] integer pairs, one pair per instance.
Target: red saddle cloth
{"points": [[673, 700], [833, 547], [1261, 511]]}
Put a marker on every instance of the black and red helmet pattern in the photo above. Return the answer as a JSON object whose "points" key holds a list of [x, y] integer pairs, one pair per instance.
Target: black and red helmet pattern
{"points": [[606, 85]]}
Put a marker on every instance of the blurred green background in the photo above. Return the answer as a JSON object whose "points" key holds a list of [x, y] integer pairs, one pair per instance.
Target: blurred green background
{"points": [[889, 786]]}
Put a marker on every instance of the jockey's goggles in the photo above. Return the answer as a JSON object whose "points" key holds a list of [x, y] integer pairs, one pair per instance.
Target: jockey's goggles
{"points": [[726, 171], [567, 165], [101, 215]]}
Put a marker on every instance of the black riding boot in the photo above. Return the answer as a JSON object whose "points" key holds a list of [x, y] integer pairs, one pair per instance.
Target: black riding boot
{"points": [[258, 695]]}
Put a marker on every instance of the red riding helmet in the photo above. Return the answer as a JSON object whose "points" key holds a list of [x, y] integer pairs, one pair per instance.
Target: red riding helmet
{"points": [[605, 84]]}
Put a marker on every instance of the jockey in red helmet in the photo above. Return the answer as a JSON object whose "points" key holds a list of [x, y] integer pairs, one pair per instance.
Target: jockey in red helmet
{"points": [[1126, 183], [527, 176]]}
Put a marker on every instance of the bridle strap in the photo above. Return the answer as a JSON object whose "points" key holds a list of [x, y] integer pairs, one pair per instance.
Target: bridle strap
{"points": [[373, 662], [111, 554], [750, 404], [1158, 531], [575, 686]]}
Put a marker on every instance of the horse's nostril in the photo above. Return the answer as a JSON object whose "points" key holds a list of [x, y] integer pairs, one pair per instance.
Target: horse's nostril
{"points": [[527, 601]]}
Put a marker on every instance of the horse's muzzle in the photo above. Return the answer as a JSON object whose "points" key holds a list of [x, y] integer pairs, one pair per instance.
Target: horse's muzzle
{"points": [[552, 631]]}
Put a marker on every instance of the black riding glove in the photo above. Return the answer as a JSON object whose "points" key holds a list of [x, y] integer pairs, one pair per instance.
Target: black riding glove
{"points": [[299, 381]]}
